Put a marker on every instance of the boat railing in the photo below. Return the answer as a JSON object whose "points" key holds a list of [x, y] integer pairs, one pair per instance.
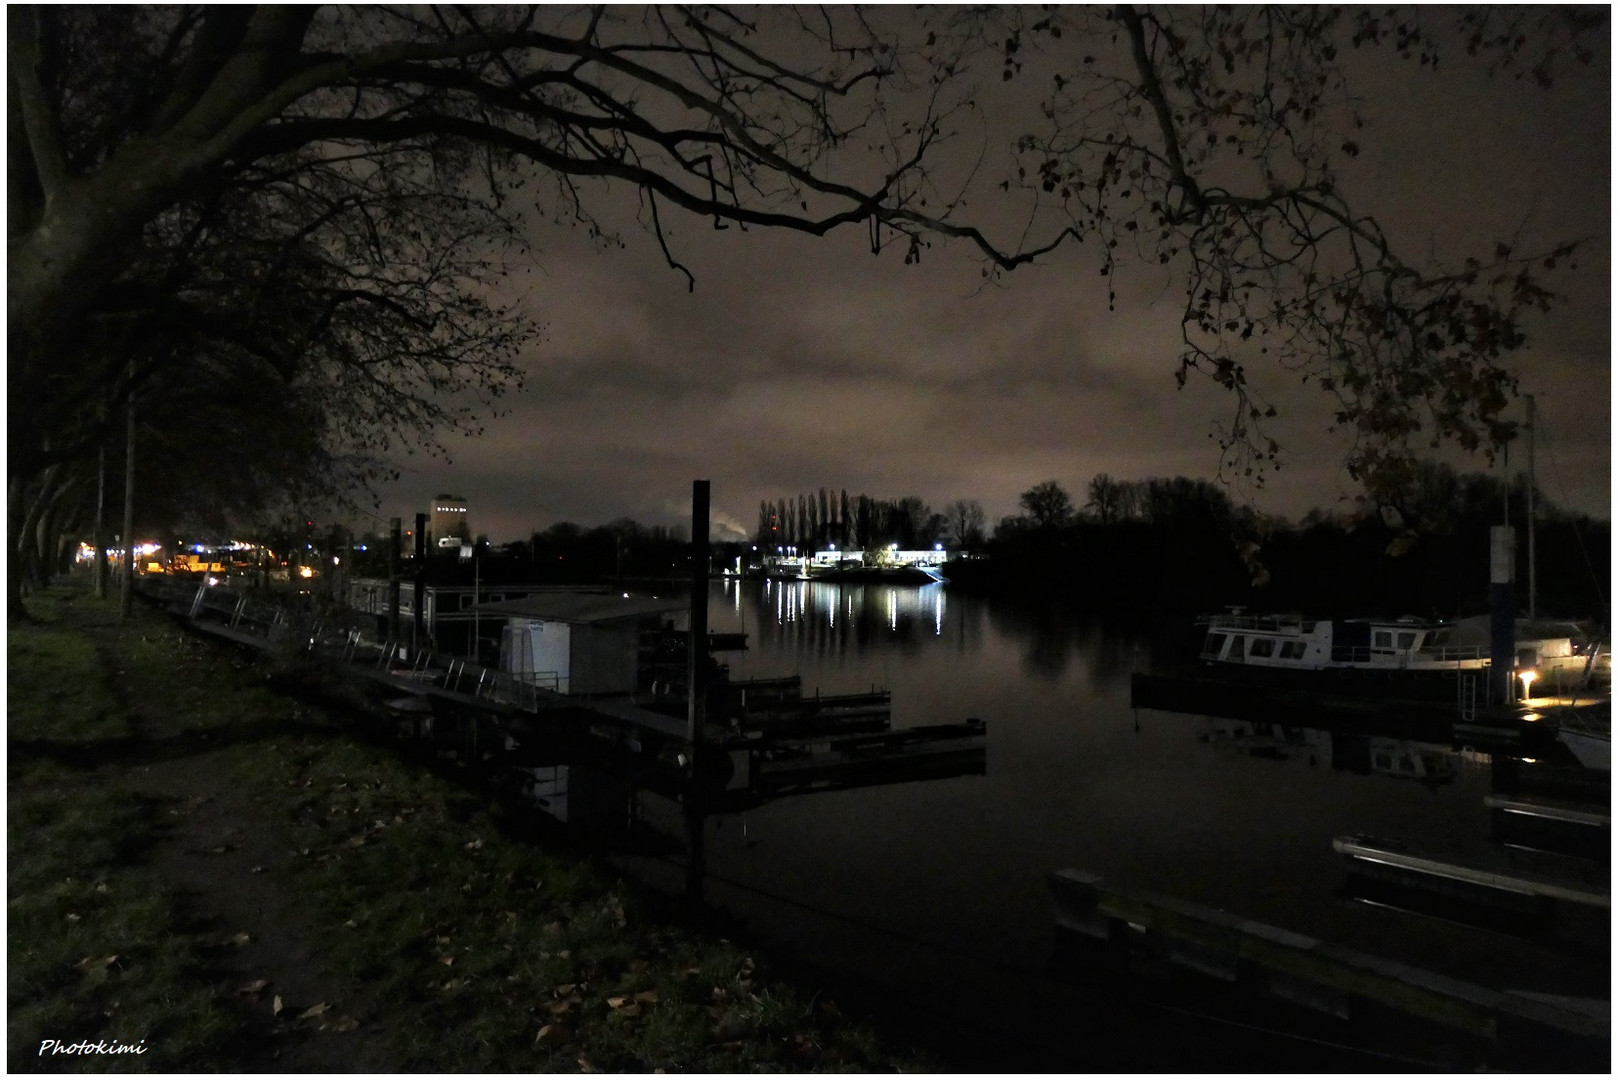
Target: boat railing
{"points": [[1447, 653], [1220, 623]]}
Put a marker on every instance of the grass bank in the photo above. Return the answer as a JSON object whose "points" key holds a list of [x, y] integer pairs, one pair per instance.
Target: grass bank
{"points": [[222, 878]]}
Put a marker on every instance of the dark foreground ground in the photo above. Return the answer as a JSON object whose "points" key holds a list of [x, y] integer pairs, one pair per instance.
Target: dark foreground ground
{"points": [[226, 879]]}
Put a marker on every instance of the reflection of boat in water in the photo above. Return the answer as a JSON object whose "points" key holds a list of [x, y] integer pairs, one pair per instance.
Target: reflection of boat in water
{"points": [[1409, 759], [1412, 761], [880, 575]]}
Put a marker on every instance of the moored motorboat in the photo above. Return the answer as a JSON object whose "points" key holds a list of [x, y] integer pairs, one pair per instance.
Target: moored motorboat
{"points": [[1402, 658], [1556, 655]]}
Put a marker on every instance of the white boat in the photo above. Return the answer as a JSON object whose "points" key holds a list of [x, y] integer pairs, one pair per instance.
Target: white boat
{"points": [[1554, 656], [1293, 642], [1559, 656], [1586, 731]]}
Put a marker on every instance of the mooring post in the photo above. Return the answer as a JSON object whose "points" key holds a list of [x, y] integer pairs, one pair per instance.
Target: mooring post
{"points": [[418, 604], [697, 665]]}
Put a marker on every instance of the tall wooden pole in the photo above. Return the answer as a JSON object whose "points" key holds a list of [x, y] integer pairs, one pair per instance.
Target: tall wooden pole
{"points": [[1530, 497], [419, 601], [697, 666], [126, 595]]}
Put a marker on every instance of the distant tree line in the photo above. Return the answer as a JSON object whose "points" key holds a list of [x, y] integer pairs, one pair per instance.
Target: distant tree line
{"points": [[826, 518], [1179, 544], [563, 553]]}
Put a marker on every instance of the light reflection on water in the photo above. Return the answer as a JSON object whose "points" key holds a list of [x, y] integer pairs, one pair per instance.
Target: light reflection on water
{"points": [[1235, 816]]}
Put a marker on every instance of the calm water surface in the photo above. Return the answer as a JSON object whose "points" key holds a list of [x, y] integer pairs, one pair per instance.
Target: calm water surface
{"points": [[1179, 804]]}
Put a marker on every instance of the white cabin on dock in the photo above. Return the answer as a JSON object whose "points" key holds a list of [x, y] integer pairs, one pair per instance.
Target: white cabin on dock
{"points": [[578, 643]]}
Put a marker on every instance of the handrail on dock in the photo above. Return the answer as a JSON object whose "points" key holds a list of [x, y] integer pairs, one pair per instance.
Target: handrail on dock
{"points": [[1302, 968], [1364, 850]]}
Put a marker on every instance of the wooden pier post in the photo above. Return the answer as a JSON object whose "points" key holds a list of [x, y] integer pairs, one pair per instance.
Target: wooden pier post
{"points": [[696, 670], [418, 615]]}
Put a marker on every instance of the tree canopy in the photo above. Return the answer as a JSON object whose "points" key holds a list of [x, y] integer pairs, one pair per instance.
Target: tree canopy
{"points": [[327, 195]]}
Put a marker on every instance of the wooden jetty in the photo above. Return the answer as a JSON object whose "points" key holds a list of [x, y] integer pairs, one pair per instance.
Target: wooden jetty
{"points": [[1578, 829], [762, 738], [1145, 933], [1391, 861]]}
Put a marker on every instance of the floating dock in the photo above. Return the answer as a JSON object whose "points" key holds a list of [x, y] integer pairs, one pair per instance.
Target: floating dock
{"points": [[761, 738], [1146, 932], [1581, 830], [1392, 862]]}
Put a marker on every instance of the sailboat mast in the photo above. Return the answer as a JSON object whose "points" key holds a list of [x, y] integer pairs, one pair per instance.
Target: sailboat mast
{"points": [[1530, 495]]}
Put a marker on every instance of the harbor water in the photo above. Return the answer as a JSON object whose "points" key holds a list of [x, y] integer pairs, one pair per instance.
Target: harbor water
{"points": [[937, 890]]}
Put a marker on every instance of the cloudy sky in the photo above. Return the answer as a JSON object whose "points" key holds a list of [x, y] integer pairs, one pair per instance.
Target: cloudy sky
{"points": [[800, 363]]}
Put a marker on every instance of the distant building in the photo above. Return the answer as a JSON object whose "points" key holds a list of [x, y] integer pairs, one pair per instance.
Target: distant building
{"points": [[449, 526]]}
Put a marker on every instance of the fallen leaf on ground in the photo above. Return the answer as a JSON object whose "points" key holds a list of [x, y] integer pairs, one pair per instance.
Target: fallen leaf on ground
{"points": [[91, 963], [341, 1025], [447, 960], [474, 845], [241, 938], [647, 997], [253, 987], [313, 1011], [617, 1002], [553, 1035], [275, 1006]]}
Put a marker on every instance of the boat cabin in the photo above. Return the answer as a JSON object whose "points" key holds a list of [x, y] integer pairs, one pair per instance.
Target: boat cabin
{"points": [[1289, 641]]}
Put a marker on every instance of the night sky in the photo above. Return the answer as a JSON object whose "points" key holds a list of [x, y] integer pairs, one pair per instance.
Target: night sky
{"points": [[800, 363]]}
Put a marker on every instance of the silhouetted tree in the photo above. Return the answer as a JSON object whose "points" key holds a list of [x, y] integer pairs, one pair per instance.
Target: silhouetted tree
{"points": [[965, 522], [1047, 504], [1105, 498], [1204, 139]]}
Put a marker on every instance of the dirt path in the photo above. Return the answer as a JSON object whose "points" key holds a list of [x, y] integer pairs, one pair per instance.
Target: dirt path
{"points": [[224, 849]]}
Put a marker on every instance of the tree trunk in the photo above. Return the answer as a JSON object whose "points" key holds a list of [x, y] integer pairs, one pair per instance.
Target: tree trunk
{"points": [[126, 594], [99, 537]]}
